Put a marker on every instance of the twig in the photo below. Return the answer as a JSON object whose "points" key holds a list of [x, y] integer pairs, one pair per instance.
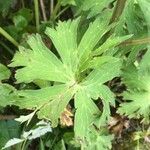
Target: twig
{"points": [[43, 10]]}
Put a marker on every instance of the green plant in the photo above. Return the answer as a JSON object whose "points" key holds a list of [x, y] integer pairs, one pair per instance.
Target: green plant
{"points": [[88, 83], [79, 74], [137, 81]]}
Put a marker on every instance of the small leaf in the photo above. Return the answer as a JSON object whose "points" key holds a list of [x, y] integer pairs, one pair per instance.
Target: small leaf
{"points": [[26, 13], [138, 90], [41, 130], [94, 6], [5, 6], [8, 129], [23, 119], [8, 95], [67, 2], [65, 118], [99, 141], [4, 72], [12, 142], [20, 22]]}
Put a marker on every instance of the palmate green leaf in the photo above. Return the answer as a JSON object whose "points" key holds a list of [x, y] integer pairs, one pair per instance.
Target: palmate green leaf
{"points": [[138, 107], [138, 93], [108, 98], [39, 63]]}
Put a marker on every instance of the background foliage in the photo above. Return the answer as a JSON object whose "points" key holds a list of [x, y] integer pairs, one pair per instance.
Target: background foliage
{"points": [[74, 74]]}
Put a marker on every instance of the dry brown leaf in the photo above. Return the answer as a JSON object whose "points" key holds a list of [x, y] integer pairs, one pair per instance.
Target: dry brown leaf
{"points": [[117, 124], [66, 117]]}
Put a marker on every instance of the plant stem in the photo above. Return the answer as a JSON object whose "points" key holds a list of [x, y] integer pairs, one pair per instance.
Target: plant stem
{"points": [[23, 4], [132, 43], [8, 37], [53, 15], [136, 42], [51, 7], [24, 144], [7, 48], [120, 5], [43, 10], [37, 20], [138, 145], [62, 11]]}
